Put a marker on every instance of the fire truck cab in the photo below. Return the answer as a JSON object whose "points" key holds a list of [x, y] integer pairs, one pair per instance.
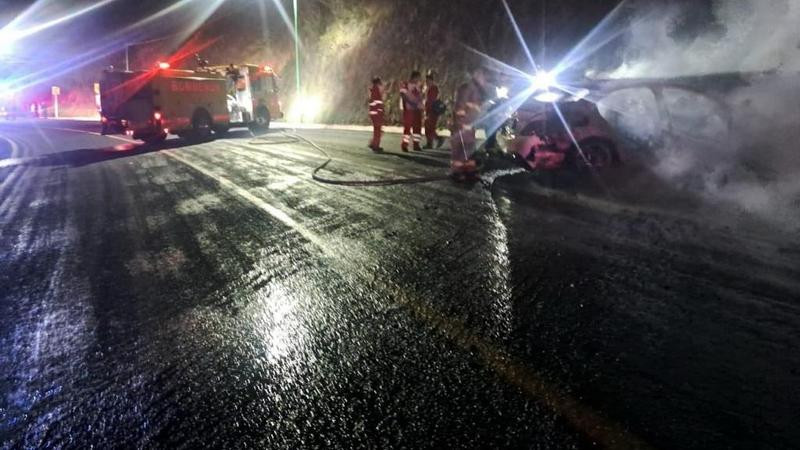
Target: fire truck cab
{"points": [[252, 94], [193, 104]]}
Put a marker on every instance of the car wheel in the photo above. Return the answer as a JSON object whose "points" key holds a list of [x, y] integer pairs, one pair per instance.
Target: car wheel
{"points": [[597, 154], [221, 132]]}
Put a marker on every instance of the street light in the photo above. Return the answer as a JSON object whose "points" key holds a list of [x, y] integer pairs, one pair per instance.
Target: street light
{"points": [[296, 50]]}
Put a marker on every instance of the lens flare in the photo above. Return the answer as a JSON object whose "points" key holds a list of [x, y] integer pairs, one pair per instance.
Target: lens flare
{"points": [[548, 97], [543, 80], [498, 65], [14, 33], [519, 36], [158, 15], [118, 40], [548, 86], [285, 16], [580, 94], [600, 36], [501, 92], [305, 109]]}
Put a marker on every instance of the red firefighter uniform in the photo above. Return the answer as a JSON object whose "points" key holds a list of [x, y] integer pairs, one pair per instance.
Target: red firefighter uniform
{"points": [[412, 102], [431, 118], [469, 99], [376, 114]]}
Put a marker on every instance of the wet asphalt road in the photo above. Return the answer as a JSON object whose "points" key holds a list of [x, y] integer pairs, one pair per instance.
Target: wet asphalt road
{"points": [[215, 295]]}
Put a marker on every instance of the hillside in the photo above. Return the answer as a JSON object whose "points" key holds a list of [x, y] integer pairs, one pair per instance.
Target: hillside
{"points": [[345, 43]]}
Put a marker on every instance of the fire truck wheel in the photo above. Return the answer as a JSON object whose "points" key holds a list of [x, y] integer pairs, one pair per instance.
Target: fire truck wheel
{"points": [[262, 120], [157, 139], [201, 126], [221, 131]]}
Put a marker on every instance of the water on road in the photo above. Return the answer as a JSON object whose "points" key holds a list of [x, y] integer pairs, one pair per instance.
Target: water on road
{"points": [[216, 295]]}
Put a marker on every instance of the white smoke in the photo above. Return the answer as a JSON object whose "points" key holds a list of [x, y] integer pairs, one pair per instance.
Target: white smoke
{"points": [[747, 154], [747, 36]]}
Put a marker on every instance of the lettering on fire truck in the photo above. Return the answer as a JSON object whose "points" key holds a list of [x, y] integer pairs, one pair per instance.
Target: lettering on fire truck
{"points": [[193, 86]]}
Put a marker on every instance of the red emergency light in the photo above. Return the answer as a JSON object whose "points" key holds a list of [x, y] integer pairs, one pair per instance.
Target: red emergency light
{"points": [[163, 65], [157, 115]]}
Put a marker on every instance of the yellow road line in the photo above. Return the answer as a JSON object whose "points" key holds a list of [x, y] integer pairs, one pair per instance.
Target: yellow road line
{"points": [[581, 417]]}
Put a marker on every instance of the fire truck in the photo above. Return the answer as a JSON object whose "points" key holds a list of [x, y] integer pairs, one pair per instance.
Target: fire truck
{"points": [[193, 104]]}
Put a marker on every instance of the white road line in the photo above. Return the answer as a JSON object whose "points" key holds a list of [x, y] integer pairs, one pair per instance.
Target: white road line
{"points": [[110, 136], [16, 161], [13, 145], [273, 211], [13, 179]]}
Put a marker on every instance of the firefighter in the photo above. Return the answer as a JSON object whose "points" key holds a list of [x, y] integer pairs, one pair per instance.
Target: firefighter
{"points": [[432, 111], [469, 100], [232, 77], [376, 113], [412, 102], [202, 64], [232, 71]]}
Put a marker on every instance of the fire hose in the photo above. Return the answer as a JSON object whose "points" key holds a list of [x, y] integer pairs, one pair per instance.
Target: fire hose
{"points": [[293, 138]]}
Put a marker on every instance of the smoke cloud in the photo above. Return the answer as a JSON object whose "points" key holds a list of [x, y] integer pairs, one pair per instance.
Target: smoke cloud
{"points": [[741, 36], [743, 148]]}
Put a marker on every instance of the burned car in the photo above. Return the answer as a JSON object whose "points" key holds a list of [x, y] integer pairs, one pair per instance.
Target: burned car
{"points": [[540, 140]]}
